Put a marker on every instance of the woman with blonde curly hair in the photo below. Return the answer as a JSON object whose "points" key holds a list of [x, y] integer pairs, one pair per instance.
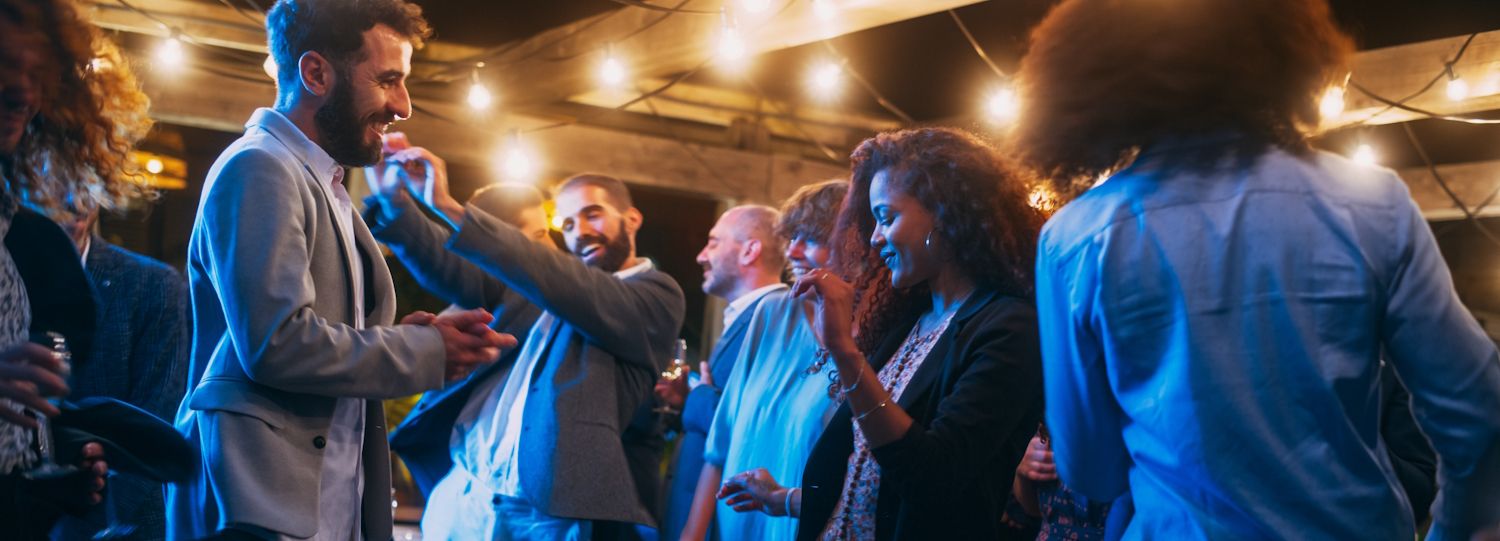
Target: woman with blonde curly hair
{"points": [[937, 361], [70, 112], [1214, 314]]}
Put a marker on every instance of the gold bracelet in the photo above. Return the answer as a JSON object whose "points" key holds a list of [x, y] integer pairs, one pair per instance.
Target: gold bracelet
{"points": [[877, 407]]}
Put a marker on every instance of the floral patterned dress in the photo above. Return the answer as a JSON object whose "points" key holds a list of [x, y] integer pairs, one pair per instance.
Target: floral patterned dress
{"points": [[15, 318], [854, 517]]}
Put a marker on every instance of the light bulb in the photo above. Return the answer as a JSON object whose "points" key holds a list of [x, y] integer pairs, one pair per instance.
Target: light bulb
{"points": [[517, 163], [479, 96], [612, 71], [154, 166], [1002, 105], [170, 53], [825, 78], [1458, 89], [731, 44], [755, 7], [1365, 154], [1332, 103]]}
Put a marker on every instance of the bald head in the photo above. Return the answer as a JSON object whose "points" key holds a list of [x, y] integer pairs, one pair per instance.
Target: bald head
{"points": [[743, 253]]}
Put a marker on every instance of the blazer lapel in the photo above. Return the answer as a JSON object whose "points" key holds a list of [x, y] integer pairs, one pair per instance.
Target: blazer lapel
{"points": [[346, 252], [937, 359]]}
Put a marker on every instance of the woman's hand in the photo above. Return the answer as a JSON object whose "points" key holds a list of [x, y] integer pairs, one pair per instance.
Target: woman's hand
{"points": [[833, 310], [1036, 465], [98, 469], [29, 374], [754, 490]]}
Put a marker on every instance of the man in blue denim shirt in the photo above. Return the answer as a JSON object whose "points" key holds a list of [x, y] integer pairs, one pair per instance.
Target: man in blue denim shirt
{"points": [[1213, 316]]}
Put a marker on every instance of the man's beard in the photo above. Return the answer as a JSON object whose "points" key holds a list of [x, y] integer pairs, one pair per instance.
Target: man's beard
{"points": [[343, 130], [616, 250]]}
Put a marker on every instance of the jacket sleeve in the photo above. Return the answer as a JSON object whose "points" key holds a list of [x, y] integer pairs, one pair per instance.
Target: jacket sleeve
{"points": [[1452, 371], [997, 395], [257, 213], [623, 317], [418, 243], [159, 349]]}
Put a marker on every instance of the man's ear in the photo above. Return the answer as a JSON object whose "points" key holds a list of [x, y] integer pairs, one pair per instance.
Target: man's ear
{"points": [[317, 73], [750, 252], [633, 220]]}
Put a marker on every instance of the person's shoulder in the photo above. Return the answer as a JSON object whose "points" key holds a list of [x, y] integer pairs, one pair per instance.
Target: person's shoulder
{"points": [[151, 268]]}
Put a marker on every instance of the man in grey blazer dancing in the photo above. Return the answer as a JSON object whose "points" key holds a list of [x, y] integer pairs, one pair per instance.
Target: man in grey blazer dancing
{"points": [[530, 447], [293, 344]]}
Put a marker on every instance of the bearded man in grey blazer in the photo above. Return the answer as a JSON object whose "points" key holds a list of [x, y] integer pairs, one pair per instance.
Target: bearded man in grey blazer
{"points": [[530, 448], [293, 345]]}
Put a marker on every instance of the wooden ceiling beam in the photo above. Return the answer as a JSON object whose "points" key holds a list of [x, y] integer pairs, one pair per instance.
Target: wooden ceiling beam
{"points": [[1396, 72]]}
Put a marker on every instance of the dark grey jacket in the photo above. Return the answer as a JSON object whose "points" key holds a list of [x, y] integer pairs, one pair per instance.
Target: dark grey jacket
{"points": [[611, 340]]}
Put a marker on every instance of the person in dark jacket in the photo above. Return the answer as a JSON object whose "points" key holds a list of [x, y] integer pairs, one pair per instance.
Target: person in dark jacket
{"points": [[942, 380]]}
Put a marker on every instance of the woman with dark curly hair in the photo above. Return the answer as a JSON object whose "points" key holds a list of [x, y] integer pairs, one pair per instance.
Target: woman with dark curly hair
{"points": [[1213, 315], [69, 114], [938, 366]]}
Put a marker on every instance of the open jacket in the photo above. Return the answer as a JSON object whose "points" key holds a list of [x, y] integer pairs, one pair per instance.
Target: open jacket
{"points": [[975, 402]]}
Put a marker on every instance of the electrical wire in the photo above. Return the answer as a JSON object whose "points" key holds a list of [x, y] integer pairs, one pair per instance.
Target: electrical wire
{"points": [[1447, 69], [879, 98], [1418, 110], [1432, 169], [654, 7], [632, 34], [975, 43]]}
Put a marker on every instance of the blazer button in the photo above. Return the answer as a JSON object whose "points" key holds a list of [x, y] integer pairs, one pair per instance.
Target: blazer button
{"points": [[320, 442]]}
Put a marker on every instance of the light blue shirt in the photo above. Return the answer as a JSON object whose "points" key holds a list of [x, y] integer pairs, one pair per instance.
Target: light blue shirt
{"points": [[1212, 345], [771, 414]]}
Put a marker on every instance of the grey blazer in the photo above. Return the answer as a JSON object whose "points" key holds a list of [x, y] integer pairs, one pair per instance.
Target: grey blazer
{"points": [[611, 340], [274, 346]]}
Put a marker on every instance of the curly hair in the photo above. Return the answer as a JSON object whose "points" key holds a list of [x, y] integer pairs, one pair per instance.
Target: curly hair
{"points": [[334, 29], [1106, 78], [979, 206], [810, 211], [76, 150]]}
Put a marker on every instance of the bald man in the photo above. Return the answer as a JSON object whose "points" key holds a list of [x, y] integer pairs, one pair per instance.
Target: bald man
{"points": [[742, 264]]}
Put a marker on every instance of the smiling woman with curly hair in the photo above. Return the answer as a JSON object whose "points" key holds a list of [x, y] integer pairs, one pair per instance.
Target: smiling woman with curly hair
{"points": [[1214, 314], [937, 359]]}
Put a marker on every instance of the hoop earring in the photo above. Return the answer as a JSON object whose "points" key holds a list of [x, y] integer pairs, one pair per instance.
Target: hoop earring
{"points": [[928, 243]]}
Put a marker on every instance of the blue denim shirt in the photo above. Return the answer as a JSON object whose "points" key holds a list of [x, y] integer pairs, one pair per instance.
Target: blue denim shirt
{"points": [[1212, 345]]}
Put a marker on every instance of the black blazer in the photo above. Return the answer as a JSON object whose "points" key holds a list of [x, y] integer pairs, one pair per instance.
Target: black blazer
{"points": [[976, 401]]}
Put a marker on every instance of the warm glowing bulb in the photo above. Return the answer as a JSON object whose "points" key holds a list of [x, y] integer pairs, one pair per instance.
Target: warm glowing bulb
{"points": [[612, 71], [154, 166], [824, 9], [1457, 89], [1365, 155], [825, 78], [1002, 105], [1332, 103], [479, 96], [518, 164], [169, 53], [731, 44]]}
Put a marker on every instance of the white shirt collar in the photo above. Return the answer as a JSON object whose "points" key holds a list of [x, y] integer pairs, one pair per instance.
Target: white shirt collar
{"points": [[324, 167], [738, 306], [638, 268]]}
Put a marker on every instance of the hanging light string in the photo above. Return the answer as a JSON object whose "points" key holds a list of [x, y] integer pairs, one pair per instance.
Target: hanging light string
{"points": [[1447, 70], [1432, 170], [975, 44], [674, 9], [887, 104]]}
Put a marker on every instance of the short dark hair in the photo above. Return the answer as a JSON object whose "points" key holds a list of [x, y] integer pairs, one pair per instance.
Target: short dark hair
{"points": [[811, 211], [618, 194], [335, 29], [506, 200]]}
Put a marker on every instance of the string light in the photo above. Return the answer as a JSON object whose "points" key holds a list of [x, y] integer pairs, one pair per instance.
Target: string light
{"points": [[825, 78], [731, 43], [611, 70], [1458, 89], [479, 96], [516, 160], [1365, 154], [170, 54], [1002, 105], [154, 166], [1331, 105]]}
